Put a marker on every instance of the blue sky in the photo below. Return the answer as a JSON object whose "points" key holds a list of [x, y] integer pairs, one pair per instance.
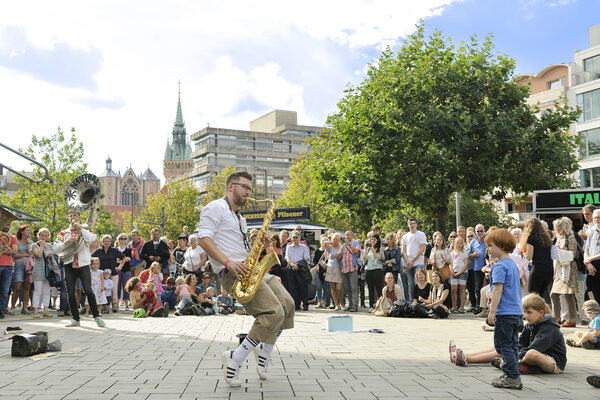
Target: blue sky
{"points": [[110, 68]]}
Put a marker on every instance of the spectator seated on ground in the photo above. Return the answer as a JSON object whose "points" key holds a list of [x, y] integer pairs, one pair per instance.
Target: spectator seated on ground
{"points": [[206, 283], [541, 344], [390, 293], [225, 303], [144, 296], [439, 301], [209, 303], [589, 339], [168, 295]]}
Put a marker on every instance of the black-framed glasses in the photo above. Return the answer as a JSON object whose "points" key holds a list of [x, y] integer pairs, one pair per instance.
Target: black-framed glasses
{"points": [[243, 186], [470, 235]]}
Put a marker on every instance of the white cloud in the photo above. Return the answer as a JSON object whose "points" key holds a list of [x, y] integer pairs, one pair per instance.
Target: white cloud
{"points": [[233, 58]]}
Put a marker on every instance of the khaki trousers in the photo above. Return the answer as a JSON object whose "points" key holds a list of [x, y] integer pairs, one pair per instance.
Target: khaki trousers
{"points": [[272, 308]]}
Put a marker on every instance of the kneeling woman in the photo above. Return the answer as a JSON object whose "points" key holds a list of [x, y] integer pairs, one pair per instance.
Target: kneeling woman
{"points": [[438, 301]]}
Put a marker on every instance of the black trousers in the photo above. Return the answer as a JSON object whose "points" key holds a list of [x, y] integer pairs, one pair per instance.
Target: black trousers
{"points": [[423, 312], [298, 291], [479, 277], [592, 284], [361, 290], [540, 283], [471, 288], [374, 278], [83, 273]]}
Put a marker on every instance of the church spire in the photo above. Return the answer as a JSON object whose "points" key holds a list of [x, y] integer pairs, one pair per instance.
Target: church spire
{"points": [[179, 117]]}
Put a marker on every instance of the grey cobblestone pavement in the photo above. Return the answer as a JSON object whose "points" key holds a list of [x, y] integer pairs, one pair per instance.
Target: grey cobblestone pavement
{"points": [[180, 357]]}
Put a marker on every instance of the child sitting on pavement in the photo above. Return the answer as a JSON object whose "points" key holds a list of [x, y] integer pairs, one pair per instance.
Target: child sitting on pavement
{"points": [[225, 303], [541, 347], [183, 294], [209, 302], [145, 297], [589, 339], [168, 296]]}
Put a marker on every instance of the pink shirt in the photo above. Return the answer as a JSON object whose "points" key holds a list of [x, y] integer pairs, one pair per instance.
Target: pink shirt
{"points": [[157, 284], [6, 260], [184, 290]]}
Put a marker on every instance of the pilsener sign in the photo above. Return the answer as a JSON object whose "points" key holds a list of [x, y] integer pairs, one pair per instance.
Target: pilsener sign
{"points": [[281, 214], [564, 200]]}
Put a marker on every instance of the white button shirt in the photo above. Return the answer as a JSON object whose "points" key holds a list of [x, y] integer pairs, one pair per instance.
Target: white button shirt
{"points": [[84, 255], [219, 222]]}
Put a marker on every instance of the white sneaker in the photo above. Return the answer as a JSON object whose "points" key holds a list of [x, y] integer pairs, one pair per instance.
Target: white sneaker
{"points": [[231, 369], [262, 361]]}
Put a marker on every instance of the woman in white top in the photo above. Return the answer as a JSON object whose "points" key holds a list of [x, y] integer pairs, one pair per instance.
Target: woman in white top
{"points": [[195, 257], [334, 272], [459, 274], [440, 254]]}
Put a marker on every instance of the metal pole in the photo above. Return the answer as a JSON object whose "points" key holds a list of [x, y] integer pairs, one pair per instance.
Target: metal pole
{"points": [[265, 183], [457, 195], [131, 210], [162, 221]]}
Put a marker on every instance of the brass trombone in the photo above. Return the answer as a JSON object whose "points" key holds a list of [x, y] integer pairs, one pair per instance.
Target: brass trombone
{"points": [[30, 160]]}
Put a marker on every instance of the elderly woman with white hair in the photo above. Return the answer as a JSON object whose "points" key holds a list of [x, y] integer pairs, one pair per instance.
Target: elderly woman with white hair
{"points": [[195, 258], [110, 258], [565, 273]]}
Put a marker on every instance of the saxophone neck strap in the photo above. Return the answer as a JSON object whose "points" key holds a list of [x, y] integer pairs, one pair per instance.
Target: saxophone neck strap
{"points": [[238, 217]]}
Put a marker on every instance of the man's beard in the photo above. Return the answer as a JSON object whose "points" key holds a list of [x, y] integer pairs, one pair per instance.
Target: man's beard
{"points": [[238, 200]]}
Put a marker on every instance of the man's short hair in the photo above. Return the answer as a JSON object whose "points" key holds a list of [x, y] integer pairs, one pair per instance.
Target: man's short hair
{"points": [[170, 280], [411, 219], [235, 176], [135, 231], [296, 234], [589, 207], [375, 227], [155, 230], [501, 238]]}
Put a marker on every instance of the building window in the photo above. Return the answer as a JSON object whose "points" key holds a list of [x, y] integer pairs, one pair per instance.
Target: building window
{"points": [[558, 83], [590, 143], [590, 177], [590, 104], [528, 207], [510, 207], [592, 65]]}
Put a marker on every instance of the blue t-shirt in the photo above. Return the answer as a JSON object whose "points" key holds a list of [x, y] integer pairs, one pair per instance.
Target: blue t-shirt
{"points": [[506, 272], [595, 324], [477, 247]]}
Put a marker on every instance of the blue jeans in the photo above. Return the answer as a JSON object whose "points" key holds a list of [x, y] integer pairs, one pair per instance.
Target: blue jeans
{"points": [[506, 342], [6, 272], [323, 290], [410, 275], [407, 293]]}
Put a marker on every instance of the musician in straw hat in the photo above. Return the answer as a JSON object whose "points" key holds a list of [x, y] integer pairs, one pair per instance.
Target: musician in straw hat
{"points": [[78, 266], [223, 235]]}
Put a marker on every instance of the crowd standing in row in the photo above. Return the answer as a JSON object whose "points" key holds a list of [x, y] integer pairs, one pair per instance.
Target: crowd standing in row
{"points": [[160, 275]]}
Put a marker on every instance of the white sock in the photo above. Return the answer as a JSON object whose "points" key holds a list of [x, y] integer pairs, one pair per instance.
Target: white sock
{"points": [[240, 354], [268, 348]]}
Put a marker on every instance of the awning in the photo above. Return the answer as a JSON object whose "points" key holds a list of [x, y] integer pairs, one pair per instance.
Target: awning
{"points": [[290, 225]]}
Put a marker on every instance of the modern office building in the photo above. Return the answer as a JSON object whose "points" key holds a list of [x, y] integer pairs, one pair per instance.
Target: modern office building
{"points": [[579, 83], [268, 150], [585, 93]]}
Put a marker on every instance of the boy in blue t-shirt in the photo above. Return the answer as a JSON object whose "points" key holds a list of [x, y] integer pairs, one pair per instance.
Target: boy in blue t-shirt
{"points": [[506, 310], [168, 295]]}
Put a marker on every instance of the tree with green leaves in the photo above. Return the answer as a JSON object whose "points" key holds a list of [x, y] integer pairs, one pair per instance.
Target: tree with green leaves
{"points": [[63, 157], [434, 119], [216, 188], [180, 201]]}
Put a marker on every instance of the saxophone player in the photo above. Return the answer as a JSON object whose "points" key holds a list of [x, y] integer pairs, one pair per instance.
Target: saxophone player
{"points": [[223, 235], [78, 266]]}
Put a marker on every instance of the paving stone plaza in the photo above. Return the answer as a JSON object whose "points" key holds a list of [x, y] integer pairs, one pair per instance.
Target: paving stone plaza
{"points": [[180, 357]]}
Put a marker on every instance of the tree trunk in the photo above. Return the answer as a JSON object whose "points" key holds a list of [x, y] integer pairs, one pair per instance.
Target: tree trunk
{"points": [[441, 217]]}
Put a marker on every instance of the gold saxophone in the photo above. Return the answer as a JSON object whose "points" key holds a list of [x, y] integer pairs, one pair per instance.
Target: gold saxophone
{"points": [[244, 288]]}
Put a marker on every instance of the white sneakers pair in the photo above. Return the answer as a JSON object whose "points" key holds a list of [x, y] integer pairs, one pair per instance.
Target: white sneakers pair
{"points": [[231, 369]]}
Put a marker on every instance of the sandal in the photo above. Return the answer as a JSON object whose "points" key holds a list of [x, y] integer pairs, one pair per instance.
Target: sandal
{"points": [[496, 362], [452, 350], [461, 358], [571, 342], [61, 313]]}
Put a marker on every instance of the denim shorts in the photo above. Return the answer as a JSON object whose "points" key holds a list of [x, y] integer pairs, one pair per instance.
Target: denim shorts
{"points": [[19, 273], [461, 280]]}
